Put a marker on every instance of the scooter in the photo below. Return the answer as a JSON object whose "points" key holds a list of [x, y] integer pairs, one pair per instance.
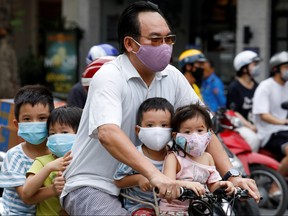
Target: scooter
{"points": [[284, 106], [262, 168]]}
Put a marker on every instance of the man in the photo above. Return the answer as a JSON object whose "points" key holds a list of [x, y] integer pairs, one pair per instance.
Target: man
{"points": [[241, 91], [240, 94], [212, 88], [270, 119], [191, 65], [106, 132]]}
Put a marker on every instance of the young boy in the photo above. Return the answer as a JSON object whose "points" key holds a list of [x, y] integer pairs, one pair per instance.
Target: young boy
{"points": [[62, 125], [153, 130], [33, 104]]}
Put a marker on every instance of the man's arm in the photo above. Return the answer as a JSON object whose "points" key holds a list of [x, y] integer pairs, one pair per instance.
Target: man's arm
{"points": [[267, 117], [121, 148], [223, 164], [219, 155]]}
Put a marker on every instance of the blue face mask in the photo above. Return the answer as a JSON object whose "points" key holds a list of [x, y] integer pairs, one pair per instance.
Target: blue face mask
{"points": [[60, 144], [33, 132]]}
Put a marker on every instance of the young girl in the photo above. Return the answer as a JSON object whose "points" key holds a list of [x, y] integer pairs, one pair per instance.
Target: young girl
{"points": [[62, 125], [188, 163]]}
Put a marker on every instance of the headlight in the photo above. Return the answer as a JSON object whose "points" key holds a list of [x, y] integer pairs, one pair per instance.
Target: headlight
{"points": [[236, 121]]}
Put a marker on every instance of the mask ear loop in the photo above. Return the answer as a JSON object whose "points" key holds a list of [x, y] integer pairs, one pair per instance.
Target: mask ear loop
{"points": [[185, 147]]}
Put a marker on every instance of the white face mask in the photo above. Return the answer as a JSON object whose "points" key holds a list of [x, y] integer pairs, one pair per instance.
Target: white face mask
{"points": [[284, 76], [255, 71], [155, 138]]}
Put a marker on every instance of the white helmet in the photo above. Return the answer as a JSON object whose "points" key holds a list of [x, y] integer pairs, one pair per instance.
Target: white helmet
{"points": [[100, 50], [278, 59], [244, 58]]}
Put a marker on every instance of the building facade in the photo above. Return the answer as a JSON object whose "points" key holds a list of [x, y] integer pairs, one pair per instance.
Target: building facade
{"points": [[220, 28]]}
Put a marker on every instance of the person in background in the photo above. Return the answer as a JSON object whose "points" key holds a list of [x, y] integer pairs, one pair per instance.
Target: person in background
{"points": [[106, 134], [9, 78], [269, 117], [212, 88], [62, 125], [240, 94], [154, 130], [77, 95], [33, 105], [191, 65], [92, 68]]}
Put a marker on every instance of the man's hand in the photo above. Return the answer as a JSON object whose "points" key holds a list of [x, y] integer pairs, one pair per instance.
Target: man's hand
{"points": [[168, 188], [248, 184]]}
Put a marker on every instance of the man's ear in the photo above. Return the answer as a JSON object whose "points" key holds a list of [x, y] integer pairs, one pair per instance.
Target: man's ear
{"points": [[15, 123], [128, 44], [245, 70]]}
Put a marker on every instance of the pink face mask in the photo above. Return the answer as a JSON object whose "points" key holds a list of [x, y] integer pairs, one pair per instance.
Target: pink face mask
{"points": [[156, 58], [193, 144]]}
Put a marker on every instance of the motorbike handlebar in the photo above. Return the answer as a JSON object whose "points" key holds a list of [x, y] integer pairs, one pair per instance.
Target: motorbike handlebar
{"points": [[186, 193], [284, 105]]}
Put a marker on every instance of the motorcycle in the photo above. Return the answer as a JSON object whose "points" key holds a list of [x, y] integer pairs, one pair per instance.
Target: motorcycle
{"points": [[209, 204], [284, 106], [260, 167]]}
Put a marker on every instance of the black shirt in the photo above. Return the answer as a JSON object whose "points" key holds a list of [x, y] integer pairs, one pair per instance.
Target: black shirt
{"points": [[240, 98]]}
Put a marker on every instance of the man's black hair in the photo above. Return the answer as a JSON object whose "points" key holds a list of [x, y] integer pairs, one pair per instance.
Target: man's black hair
{"points": [[129, 25]]}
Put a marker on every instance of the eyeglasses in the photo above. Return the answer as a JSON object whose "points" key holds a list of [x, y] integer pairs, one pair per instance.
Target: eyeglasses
{"points": [[158, 40]]}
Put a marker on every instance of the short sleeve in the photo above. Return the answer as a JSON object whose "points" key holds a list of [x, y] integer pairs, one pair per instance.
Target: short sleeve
{"points": [[261, 100], [214, 175], [105, 99], [14, 168], [35, 168], [123, 171]]}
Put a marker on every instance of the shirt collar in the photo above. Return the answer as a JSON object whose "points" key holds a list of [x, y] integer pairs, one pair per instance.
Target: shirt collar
{"points": [[131, 72]]}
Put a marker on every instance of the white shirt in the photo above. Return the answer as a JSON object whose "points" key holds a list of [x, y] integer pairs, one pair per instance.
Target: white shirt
{"points": [[267, 99], [114, 96]]}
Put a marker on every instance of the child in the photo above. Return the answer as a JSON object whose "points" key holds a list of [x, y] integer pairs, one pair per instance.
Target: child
{"points": [[153, 130], [32, 107], [62, 125], [191, 126]]}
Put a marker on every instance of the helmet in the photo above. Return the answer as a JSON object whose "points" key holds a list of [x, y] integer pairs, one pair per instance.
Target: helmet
{"points": [[278, 59], [92, 68], [244, 58], [100, 50], [191, 56]]}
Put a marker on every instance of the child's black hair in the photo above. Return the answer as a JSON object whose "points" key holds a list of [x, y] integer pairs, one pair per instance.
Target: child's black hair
{"points": [[155, 103], [65, 115], [188, 112], [33, 94]]}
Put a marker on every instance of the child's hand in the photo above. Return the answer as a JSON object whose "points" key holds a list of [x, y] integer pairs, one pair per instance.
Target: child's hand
{"points": [[229, 187], [197, 187], [58, 183], [144, 184], [60, 164]]}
